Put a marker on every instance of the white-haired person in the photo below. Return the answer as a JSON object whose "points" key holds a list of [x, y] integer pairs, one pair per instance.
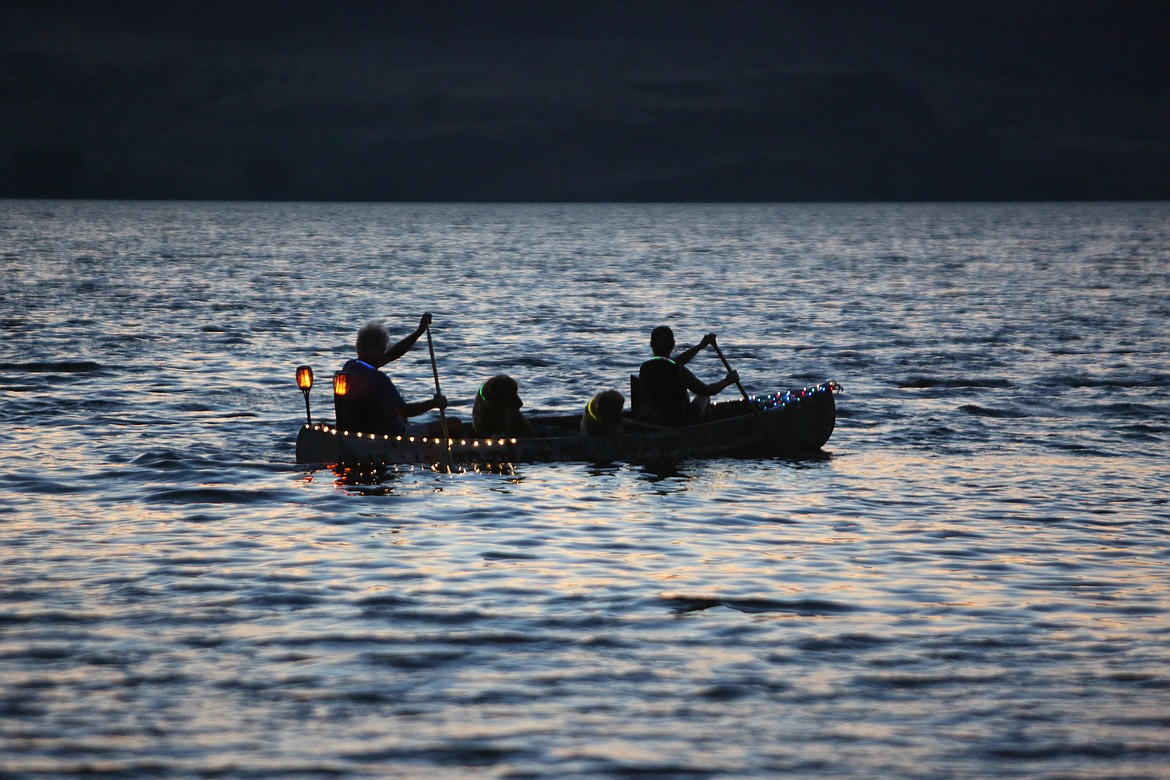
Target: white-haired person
{"points": [[372, 403]]}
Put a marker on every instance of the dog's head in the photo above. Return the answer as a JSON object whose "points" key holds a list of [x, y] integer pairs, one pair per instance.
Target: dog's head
{"points": [[607, 406], [501, 390]]}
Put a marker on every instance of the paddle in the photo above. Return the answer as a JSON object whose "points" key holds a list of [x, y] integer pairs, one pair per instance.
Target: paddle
{"points": [[727, 365], [751, 404], [435, 370]]}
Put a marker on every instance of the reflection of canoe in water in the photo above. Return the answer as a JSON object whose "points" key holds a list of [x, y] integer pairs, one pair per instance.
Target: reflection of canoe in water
{"points": [[791, 423]]}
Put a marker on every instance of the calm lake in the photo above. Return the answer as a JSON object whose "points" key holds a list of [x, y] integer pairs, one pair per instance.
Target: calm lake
{"points": [[970, 581]]}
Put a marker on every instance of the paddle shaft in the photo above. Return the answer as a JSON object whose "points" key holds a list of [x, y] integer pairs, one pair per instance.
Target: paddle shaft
{"points": [[435, 371], [751, 404], [727, 365]]}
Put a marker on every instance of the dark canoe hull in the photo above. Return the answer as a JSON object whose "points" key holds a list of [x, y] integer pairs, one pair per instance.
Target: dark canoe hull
{"points": [[783, 424]]}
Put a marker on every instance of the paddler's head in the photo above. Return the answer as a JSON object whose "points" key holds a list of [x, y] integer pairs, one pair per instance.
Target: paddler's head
{"points": [[662, 341], [372, 341]]}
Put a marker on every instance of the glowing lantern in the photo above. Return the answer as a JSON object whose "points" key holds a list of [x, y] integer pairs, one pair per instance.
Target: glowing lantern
{"points": [[304, 378], [340, 388], [305, 382]]}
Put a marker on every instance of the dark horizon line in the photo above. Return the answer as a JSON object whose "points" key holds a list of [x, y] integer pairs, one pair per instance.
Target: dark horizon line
{"points": [[595, 201]]}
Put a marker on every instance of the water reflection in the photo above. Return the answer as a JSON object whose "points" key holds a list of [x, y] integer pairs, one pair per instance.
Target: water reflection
{"points": [[667, 478], [966, 580], [360, 479], [364, 478]]}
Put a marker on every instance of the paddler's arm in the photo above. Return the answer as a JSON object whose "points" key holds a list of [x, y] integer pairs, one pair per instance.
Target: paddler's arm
{"points": [[403, 346], [685, 356], [699, 387], [421, 407]]}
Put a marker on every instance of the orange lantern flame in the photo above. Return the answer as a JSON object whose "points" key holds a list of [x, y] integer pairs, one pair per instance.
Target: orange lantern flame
{"points": [[305, 378]]}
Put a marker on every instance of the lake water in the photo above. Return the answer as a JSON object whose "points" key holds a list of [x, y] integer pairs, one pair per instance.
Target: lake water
{"points": [[971, 581]]}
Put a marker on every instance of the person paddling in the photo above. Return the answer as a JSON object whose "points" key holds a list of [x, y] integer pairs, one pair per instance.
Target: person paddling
{"points": [[664, 382], [372, 403]]}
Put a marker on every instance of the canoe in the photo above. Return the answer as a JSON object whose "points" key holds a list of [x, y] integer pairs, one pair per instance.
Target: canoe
{"points": [[782, 424]]}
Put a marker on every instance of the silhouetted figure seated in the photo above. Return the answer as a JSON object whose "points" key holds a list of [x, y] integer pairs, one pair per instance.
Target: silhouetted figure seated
{"points": [[663, 383], [372, 404]]}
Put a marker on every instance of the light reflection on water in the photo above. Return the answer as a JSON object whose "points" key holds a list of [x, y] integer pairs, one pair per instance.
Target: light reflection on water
{"points": [[969, 582]]}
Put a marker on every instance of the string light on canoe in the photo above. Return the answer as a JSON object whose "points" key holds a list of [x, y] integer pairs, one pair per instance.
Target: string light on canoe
{"points": [[781, 400]]}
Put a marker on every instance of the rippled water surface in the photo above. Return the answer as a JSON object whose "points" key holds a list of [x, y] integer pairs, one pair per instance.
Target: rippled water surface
{"points": [[971, 580]]}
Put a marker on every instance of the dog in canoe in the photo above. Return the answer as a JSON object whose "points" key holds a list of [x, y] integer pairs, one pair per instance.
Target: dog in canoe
{"points": [[603, 414], [497, 409]]}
